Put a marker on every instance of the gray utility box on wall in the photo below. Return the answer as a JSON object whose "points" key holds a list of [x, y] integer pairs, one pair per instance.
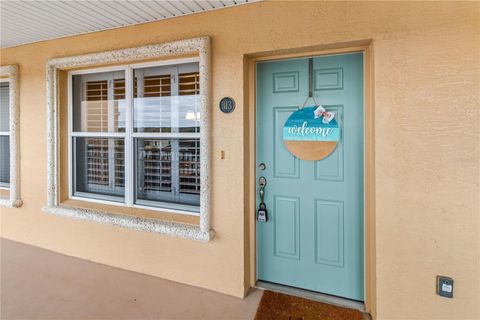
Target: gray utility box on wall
{"points": [[445, 286]]}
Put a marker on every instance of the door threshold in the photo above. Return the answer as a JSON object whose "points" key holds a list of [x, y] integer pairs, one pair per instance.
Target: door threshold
{"points": [[312, 295]]}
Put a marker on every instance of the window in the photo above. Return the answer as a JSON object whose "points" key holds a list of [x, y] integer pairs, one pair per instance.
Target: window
{"points": [[116, 122], [9, 148], [4, 135], [98, 136], [135, 136]]}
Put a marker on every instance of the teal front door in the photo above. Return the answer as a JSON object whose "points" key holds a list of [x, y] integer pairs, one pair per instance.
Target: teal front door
{"points": [[313, 238]]}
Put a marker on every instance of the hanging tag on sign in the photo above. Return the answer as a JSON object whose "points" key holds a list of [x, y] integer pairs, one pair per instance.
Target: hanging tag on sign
{"points": [[262, 213], [311, 133]]}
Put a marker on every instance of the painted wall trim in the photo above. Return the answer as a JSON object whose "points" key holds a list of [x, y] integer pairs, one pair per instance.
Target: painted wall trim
{"points": [[180, 230], [11, 73], [200, 46]]}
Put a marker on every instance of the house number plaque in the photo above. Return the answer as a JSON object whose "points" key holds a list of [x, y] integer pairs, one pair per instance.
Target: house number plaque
{"points": [[227, 105]]}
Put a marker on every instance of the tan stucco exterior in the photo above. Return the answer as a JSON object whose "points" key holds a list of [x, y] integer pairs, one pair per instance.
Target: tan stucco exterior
{"points": [[425, 62]]}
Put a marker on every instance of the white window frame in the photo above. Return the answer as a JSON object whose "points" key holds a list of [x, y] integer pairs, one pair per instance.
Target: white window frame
{"points": [[196, 46], [128, 137], [9, 74]]}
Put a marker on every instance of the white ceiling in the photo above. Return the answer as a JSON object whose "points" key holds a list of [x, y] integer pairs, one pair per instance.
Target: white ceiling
{"points": [[24, 21]]}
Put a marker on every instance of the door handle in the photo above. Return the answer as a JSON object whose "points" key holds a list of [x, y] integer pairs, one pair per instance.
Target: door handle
{"points": [[262, 208], [262, 182]]}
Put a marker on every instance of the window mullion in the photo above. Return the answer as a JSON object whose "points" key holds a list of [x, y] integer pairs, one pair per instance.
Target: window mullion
{"points": [[129, 155], [167, 135], [175, 125], [98, 134], [110, 123]]}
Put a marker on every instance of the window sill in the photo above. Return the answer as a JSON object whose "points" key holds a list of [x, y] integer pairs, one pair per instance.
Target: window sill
{"points": [[181, 230], [74, 201], [10, 203]]}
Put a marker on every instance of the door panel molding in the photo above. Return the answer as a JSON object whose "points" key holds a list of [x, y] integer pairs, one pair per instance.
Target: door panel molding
{"points": [[327, 213], [285, 82], [328, 79], [282, 222]]}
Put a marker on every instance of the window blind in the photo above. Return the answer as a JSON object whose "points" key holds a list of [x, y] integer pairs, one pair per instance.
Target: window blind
{"points": [[169, 165], [157, 167], [157, 86], [97, 101], [99, 151], [5, 137], [156, 158], [189, 166], [189, 153], [164, 140], [189, 83]]}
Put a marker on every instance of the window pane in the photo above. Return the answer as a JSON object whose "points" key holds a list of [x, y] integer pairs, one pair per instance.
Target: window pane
{"points": [[4, 161], [189, 166], [163, 104], [99, 102], [4, 107], [168, 170], [99, 167]]}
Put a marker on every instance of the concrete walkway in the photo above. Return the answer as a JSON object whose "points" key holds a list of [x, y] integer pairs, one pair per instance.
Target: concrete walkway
{"points": [[40, 284]]}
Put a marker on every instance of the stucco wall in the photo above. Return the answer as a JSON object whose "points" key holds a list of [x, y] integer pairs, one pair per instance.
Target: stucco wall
{"points": [[426, 83]]}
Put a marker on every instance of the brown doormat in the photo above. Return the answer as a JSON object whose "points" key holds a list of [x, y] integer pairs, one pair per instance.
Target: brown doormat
{"points": [[278, 306]]}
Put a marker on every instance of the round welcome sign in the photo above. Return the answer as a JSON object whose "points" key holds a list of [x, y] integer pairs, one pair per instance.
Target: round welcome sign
{"points": [[311, 133]]}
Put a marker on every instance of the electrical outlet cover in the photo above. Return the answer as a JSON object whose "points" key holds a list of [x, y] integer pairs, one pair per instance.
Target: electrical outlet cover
{"points": [[445, 286]]}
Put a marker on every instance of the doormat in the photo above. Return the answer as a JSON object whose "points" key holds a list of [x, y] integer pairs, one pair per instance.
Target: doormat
{"points": [[278, 306]]}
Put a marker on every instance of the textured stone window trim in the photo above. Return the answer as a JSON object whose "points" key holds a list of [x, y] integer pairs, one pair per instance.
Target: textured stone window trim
{"points": [[200, 46], [11, 73]]}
